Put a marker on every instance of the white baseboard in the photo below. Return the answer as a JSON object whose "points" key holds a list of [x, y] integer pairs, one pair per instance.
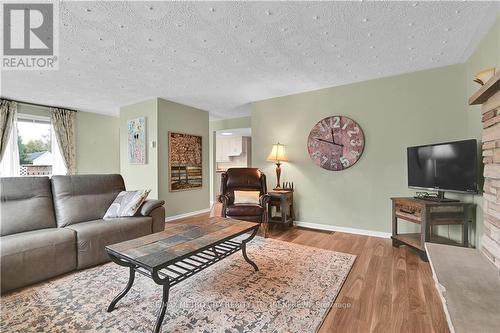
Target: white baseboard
{"points": [[309, 225], [182, 216], [343, 229]]}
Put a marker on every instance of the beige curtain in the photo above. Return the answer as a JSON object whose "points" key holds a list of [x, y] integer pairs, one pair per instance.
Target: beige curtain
{"points": [[8, 111], [63, 122]]}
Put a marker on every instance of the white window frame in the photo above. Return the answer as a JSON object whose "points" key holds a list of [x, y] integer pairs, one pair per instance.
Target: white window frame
{"points": [[36, 119], [57, 163], [33, 118]]}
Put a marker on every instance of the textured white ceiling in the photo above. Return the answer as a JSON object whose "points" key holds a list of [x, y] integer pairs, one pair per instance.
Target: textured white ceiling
{"points": [[220, 56]]}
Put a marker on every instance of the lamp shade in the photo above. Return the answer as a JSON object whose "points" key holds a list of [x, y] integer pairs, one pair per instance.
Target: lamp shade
{"points": [[277, 154]]}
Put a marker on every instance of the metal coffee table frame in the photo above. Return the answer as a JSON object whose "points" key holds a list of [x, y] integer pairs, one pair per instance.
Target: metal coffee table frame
{"points": [[176, 270]]}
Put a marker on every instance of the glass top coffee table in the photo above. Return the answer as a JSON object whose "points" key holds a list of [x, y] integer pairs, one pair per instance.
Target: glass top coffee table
{"points": [[182, 250]]}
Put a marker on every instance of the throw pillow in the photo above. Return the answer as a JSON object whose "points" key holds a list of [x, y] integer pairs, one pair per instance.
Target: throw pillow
{"points": [[246, 197], [127, 203]]}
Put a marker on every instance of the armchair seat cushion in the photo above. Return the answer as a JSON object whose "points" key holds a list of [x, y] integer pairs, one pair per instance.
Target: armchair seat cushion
{"points": [[244, 210], [256, 218]]}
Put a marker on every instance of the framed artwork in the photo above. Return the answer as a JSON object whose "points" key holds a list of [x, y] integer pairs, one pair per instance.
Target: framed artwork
{"points": [[184, 160], [136, 129]]}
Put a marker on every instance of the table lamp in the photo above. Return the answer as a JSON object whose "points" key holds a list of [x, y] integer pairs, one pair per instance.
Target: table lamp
{"points": [[277, 156]]}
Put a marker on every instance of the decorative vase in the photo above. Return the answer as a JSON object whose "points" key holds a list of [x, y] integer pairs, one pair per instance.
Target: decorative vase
{"points": [[483, 76]]}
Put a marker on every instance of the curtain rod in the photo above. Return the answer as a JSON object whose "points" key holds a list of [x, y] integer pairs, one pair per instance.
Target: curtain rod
{"points": [[36, 104]]}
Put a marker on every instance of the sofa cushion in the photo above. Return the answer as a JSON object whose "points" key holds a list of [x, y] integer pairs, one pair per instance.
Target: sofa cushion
{"points": [[243, 179], [26, 204], [93, 236], [127, 203], [33, 256], [246, 197], [244, 209], [83, 198]]}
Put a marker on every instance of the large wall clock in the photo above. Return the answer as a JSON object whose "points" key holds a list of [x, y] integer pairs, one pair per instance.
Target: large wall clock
{"points": [[336, 143]]}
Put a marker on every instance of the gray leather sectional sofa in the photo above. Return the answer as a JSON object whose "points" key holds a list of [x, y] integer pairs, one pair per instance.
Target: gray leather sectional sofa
{"points": [[54, 226]]}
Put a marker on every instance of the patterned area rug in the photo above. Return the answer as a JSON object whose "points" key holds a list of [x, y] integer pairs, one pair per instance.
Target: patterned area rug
{"points": [[293, 291]]}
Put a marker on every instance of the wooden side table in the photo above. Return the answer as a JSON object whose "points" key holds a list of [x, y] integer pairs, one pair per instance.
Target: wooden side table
{"points": [[282, 200], [428, 214]]}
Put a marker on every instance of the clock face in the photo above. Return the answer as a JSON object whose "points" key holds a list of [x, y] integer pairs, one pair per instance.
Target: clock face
{"points": [[336, 143]]}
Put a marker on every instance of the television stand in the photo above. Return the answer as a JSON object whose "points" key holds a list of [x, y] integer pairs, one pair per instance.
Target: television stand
{"points": [[429, 214], [438, 197]]}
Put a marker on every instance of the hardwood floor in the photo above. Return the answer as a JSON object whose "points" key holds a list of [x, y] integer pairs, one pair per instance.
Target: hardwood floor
{"points": [[387, 290]]}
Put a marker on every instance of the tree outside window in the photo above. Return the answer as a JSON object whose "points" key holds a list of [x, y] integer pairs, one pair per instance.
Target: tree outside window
{"points": [[34, 144]]}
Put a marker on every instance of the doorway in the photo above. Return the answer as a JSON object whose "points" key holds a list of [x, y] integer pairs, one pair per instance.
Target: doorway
{"points": [[232, 149]]}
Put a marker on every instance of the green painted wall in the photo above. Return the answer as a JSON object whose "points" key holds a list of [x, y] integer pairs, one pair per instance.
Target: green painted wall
{"points": [[97, 141], [163, 116], [140, 176], [97, 138], [241, 122], [394, 113], [217, 125], [184, 119]]}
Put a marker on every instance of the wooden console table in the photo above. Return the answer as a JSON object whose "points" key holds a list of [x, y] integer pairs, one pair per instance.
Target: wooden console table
{"points": [[428, 214], [282, 200]]}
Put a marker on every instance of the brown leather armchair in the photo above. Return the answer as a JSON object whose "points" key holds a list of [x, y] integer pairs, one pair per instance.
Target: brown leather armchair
{"points": [[244, 179]]}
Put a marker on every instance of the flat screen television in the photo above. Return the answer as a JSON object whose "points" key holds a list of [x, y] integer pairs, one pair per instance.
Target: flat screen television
{"points": [[450, 166]]}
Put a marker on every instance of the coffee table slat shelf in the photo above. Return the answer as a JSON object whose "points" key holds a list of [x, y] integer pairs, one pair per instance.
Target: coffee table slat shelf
{"points": [[172, 256], [197, 264]]}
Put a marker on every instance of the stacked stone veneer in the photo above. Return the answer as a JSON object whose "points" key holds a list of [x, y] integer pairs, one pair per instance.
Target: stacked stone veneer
{"points": [[490, 241]]}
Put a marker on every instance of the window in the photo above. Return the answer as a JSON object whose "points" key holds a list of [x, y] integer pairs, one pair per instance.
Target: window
{"points": [[34, 142], [32, 149]]}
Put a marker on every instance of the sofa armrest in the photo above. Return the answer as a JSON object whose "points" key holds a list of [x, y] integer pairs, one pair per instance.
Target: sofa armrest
{"points": [[149, 205], [264, 200], [158, 215], [224, 199]]}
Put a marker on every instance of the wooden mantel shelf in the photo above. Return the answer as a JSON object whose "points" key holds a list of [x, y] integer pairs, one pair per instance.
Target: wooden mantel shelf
{"points": [[486, 91]]}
